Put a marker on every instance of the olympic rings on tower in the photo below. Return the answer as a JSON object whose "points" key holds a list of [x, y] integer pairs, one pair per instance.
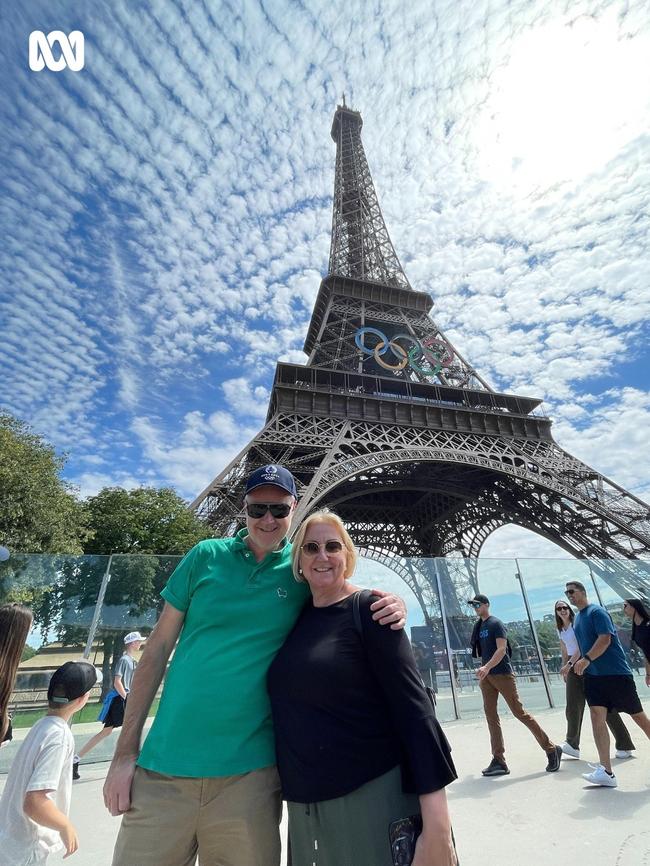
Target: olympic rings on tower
{"points": [[427, 356]]}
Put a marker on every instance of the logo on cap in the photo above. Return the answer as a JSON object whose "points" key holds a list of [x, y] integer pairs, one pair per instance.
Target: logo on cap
{"points": [[270, 473]]}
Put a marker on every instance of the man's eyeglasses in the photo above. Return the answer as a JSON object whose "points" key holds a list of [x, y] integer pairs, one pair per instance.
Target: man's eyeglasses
{"points": [[259, 509], [562, 607], [311, 548], [475, 604], [570, 591]]}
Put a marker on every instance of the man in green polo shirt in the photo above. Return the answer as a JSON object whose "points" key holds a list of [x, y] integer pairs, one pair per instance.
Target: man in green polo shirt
{"points": [[205, 781]]}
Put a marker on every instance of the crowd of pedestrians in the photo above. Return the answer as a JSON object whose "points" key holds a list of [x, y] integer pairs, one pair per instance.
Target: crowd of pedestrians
{"points": [[288, 681]]}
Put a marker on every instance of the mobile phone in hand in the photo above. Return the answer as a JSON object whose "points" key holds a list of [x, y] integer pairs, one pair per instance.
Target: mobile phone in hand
{"points": [[403, 835]]}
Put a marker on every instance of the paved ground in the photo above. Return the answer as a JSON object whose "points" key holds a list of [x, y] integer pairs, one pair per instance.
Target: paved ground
{"points": [[530, 818]]}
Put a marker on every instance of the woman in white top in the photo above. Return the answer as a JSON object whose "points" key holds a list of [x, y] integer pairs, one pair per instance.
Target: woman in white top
{"points": [[575, 691]]}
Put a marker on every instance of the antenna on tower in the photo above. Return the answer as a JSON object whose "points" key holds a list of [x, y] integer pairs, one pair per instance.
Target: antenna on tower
{"points": [[344, 105]]}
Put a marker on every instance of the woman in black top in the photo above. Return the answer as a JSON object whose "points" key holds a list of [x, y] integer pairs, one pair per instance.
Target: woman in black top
{"points": [[636, 611], [358, 745]]}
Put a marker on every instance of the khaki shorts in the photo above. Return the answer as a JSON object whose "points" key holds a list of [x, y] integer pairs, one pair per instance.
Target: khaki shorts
{"points": [[226, 821]]}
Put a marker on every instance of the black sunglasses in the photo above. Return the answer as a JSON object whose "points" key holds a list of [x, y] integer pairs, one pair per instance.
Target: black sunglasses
{"points": [[570, 591], [475, 604], [311, 548], [562, 607], [259, 509]]}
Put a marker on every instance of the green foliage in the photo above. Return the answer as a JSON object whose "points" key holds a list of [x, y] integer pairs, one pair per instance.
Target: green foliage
{"points": [[144, 532], [548, 639], [38, 510], [89, 713], [40, 514], [146, 520], [28, 653]]}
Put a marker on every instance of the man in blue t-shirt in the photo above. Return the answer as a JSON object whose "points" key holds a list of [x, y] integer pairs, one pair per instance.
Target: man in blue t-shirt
{"points": [[496, 678], [609, 684]]}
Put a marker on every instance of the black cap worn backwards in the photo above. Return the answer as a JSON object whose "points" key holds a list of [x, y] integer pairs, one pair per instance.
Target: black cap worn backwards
{"points": [[71, 681]]}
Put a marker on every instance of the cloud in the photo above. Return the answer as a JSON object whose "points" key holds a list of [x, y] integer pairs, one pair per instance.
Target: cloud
{"points": [[90, 483], [195, 454], [243, 399], [166, 214]]}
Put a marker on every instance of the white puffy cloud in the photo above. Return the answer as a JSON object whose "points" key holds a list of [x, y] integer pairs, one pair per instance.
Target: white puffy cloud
{"points": [[191, 457], [166, 212]]}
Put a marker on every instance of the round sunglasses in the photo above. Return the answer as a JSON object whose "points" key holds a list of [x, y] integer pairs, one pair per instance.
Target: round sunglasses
{"points": [[311, 548]]}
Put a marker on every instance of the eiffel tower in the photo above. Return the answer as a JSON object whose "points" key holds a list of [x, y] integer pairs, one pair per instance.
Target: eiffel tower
{"points": [[388, 425]]}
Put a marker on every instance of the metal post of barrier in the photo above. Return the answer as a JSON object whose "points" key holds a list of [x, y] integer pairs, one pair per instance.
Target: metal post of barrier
{"points": [[547, 682], [445, 631], [98, 608], [593, 580]]}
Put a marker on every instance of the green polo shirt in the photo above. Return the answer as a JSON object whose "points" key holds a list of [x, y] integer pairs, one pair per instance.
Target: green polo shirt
{"points": [[214, 717]]}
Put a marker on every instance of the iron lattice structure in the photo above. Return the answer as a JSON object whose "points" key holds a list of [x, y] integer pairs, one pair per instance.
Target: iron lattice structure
{"points": [[389, 426]]}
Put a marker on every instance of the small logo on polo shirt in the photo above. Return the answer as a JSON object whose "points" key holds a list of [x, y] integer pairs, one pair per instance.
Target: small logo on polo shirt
{"points": [[282, 593]]}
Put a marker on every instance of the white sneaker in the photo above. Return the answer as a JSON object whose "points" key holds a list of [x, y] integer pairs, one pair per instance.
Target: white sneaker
{"points": [[600, 776], [623, 753], [570, 751]]}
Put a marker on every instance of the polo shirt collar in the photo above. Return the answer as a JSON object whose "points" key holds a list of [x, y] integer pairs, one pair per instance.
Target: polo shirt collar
{"points": [[242, 535]]}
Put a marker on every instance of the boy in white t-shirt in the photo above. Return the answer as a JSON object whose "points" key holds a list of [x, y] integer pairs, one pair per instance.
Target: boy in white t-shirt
{"points": [[36, 799]]}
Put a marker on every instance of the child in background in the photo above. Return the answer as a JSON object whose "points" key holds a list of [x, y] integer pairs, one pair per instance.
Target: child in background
{"points": [[36, 799]]}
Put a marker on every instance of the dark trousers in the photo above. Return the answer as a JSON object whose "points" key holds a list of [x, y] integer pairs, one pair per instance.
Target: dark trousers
{"points": [[506, 685], [575, 707]]}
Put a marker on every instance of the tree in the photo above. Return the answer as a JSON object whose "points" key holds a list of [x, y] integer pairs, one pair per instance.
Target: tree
{"points": [[38, 510], [146, 520], [548, 639], [155, 524], [38, 514]]}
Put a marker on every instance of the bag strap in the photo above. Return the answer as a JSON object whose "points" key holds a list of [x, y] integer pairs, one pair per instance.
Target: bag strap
{"points": [[356, 615], [356, 611]]}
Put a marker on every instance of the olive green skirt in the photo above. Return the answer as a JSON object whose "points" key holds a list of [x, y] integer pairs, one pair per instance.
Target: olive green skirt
{"points": [[350, 830]]}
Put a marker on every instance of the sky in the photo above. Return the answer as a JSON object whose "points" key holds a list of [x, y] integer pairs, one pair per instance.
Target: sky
{"points": [[165, 215]]}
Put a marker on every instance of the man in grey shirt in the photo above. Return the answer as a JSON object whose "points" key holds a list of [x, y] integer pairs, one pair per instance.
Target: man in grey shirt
{"points": [[112, 714]]}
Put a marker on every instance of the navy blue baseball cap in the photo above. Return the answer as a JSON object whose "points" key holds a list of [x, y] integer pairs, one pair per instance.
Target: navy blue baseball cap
{"points": [[278, 476]]}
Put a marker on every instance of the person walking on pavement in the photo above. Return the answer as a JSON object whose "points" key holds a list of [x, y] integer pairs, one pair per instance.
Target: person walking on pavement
{"points": [[112, 712], [609, 683], [496, 677], [575, 692], [635, 610]]}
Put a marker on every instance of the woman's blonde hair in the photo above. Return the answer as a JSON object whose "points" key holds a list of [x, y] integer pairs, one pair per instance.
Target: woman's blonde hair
{"points": [[323, 516]]}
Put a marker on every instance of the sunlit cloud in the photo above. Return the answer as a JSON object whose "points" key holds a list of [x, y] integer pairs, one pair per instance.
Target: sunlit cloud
{"points": [[165, 214], [565, 100]]}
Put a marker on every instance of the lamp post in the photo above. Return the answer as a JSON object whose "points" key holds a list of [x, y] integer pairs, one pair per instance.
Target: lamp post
{"points": [[98, 608]]}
